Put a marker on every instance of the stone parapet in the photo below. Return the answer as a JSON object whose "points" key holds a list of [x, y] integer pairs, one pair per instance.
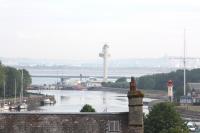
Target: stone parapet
{"points": [[63, 122]]}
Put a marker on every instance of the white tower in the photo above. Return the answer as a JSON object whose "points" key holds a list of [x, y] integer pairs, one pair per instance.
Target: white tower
{"points": [[105, 56], [170, 90]]}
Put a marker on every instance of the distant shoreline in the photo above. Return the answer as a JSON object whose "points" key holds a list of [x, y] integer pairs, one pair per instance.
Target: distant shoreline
{"points": [[155, 94]]}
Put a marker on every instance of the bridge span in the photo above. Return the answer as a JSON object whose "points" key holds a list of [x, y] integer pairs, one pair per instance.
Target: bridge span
{"points": [[68, 76]]}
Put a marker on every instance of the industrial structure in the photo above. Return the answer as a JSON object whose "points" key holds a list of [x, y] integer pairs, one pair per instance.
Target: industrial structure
{"points": [[105, 55], [184, 59]]}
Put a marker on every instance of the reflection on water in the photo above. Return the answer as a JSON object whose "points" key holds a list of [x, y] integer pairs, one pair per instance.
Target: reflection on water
{"points": [[73, 101]]}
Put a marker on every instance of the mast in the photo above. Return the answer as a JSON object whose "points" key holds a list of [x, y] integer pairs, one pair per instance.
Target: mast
{"points": [[22, 83], [15, 90], [4, 93], [184, 64], [184, 59]]}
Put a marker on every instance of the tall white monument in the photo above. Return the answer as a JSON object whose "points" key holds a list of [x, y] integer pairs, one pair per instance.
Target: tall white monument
{"points": [[105, 55]]}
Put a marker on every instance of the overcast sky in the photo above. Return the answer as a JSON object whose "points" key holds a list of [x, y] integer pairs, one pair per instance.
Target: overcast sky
{"points": [[77, 29]]}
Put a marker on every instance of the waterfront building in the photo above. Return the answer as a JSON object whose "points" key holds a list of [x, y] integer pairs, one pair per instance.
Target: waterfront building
{"points": [[185, 100], [93, 84], [194, 92]]}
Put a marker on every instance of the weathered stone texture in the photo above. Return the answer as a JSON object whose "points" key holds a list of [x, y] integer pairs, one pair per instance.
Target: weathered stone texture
{"points": [[61, 123], [135, 130], [135, 117], [135, 101]]}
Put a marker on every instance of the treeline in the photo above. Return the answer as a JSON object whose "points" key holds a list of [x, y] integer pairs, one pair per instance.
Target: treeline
{"points": [[159, 81], [9, 75], [119, 83]]}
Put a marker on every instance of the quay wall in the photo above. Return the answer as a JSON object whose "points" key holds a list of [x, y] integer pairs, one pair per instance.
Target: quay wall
{"points": [[32, 101], [63, 122]]}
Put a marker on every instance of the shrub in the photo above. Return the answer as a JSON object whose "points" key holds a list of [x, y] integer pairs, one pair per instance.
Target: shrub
{"points": [[87, 108]]}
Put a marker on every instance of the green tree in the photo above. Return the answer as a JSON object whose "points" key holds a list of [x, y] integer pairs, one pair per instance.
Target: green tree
{"points": [[163, 118], [2, 79], [119, 83], [27, 78], [9, 75], [174, 130], [120, 80], [87, 108]]}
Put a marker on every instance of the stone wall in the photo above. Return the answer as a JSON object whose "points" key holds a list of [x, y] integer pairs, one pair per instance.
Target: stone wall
{"points": [[63, 122]]}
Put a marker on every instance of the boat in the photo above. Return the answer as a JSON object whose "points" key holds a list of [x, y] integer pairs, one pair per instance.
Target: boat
{"points": [[6, 106], [47, 101], [79, 87], [14, 106], [23, 106], [52, 102]]}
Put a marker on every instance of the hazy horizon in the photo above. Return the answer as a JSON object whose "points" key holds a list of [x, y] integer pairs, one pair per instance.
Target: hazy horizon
{"points": [[77, 30]]}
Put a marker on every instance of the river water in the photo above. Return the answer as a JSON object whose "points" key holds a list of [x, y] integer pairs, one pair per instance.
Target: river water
{"points": [[73, 101]]}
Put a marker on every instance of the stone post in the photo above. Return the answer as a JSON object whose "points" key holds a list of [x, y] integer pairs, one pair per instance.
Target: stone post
{"points": [[135, 98]]}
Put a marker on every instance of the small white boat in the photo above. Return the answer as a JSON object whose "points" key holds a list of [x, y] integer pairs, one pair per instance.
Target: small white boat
{"points": [[47, 101], [6, 107], [23, 106], [52, 102], [14, 107]]}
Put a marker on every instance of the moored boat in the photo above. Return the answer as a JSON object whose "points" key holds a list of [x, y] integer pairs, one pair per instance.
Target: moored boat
{"points": [[47, 101], [23, 106], [14, 106], [6, 107]]}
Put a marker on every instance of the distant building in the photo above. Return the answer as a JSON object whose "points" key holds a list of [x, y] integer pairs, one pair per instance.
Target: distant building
{"points": [[193, 94], [185, 100], [93, 84]]}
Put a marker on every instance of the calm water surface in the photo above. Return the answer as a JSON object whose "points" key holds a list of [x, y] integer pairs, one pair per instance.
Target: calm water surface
{"points": [[73, 101]]}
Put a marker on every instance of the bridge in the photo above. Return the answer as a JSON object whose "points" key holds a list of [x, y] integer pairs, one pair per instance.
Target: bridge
{"points": [[68, 76]]}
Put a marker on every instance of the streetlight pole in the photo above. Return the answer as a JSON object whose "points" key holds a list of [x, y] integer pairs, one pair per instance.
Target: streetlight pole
{"points": [[184, 64]]}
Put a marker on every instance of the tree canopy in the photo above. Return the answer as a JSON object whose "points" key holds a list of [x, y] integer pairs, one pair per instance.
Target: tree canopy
{"points": [[163, 118], [120, 80], [159, 81], [9, 75], [119, 83], [87, 108]]}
